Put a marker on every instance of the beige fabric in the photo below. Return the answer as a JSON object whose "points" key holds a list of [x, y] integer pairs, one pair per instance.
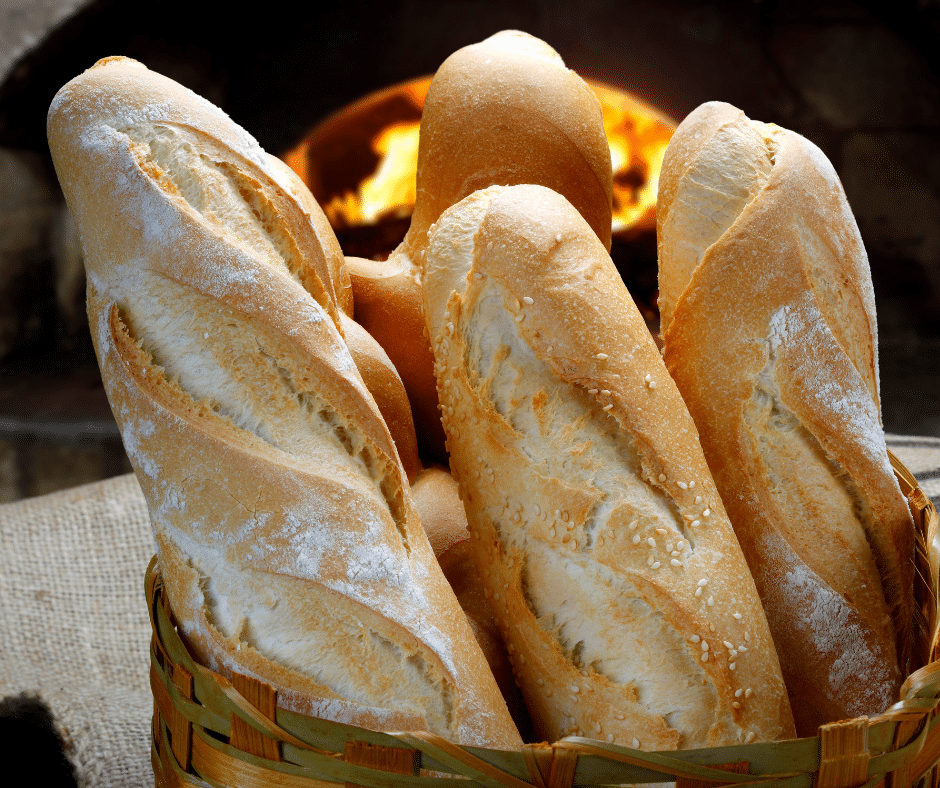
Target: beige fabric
{"points": [[73, 617], [74, 623]]}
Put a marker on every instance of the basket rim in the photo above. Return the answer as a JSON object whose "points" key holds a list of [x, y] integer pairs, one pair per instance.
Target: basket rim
{"points": [[903, 742]]}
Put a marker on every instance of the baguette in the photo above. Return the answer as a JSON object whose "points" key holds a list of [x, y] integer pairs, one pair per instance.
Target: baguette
{"points": [[287, 537], [769, 327], [503, 111], [625, 601]]}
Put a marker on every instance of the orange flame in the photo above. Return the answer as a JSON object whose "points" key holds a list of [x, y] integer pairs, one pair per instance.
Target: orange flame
{"points": [[637, 134]]}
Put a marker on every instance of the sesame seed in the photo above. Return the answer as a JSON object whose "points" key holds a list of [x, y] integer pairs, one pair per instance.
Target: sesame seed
{"points": [[602, 356], [655, 565], [538, 510], [528, 299], [558, 238], [696, 523], [515, 517], [636, 744], [592, 391], [711, 627], [575, 688], [679, 544], [737, 616], [662, 477], [636, 539], [610, 738], [683, 486], [558, 513], [692, 485], [652, 384], [737, 693], [569, 526], [605, 392], [675, 562], [706, 513], [648, 378], [735, 705], [727, 644], [651, 542], [705, 657], [608, 406], [597, 728], [600, 541], [748, 692], [551, 531], [742, 648], [703, 581], [711, 600], [674, 553], [633, 525], [620, 716], [549, 349], [750, 737], [520, 317], [698, 592], [747, 637], [732, 654], [565, 516], [698, 498], [695, 638], [477, 275], [566, 538]]}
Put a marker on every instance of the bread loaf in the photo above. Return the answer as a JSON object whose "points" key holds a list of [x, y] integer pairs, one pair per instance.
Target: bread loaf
{"points": [[437, 500], [618, 585], [768, 320], [286, 533], [503, 111]]}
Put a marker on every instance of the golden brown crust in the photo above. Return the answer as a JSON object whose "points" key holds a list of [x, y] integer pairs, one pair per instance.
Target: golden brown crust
{"points": [[772, 340], [599, 532], [287, 536], [385, 386], [388, 306], [503, 111]]}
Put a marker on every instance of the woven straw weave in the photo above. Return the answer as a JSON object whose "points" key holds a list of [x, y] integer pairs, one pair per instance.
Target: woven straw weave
{"points": [[74, 622]]}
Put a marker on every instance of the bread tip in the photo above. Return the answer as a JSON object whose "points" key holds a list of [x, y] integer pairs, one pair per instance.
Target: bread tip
{"points": [[117, 59]]}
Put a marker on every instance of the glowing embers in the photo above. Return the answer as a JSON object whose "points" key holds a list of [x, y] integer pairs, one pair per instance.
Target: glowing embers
{"points": [[360, 163]]}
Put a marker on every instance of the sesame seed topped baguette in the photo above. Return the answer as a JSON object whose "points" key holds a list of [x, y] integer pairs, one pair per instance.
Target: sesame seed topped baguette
{"points": [[769, 330], [288, 540], [619, 587]]}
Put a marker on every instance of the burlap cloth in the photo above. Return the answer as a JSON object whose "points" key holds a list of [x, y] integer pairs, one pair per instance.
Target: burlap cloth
{"points": [[74, 629]]}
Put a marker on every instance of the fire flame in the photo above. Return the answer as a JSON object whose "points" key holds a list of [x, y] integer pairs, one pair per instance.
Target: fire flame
{"points": [[637, 134]]}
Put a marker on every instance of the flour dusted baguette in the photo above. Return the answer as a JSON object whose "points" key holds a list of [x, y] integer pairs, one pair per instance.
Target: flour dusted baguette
{"points": [[502, 111], [286, 533], [619, 587], [769, 326]]}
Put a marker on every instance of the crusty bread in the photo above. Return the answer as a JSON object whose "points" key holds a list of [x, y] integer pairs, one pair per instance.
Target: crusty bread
{"points": [[626, 604], [286, 532], [769, 327], [326, 238], [385, 386], [437, 499], [503, 111]]}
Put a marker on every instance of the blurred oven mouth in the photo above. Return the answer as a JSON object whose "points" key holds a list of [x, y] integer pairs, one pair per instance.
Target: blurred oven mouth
{"points": [[360, 164]]}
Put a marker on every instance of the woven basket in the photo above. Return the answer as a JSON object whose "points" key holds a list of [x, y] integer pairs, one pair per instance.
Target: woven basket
{"points": [[209, 731]]}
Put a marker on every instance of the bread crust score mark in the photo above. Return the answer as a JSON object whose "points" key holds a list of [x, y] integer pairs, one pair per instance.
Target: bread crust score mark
{"points": [[769, 329], [626, 605]]}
